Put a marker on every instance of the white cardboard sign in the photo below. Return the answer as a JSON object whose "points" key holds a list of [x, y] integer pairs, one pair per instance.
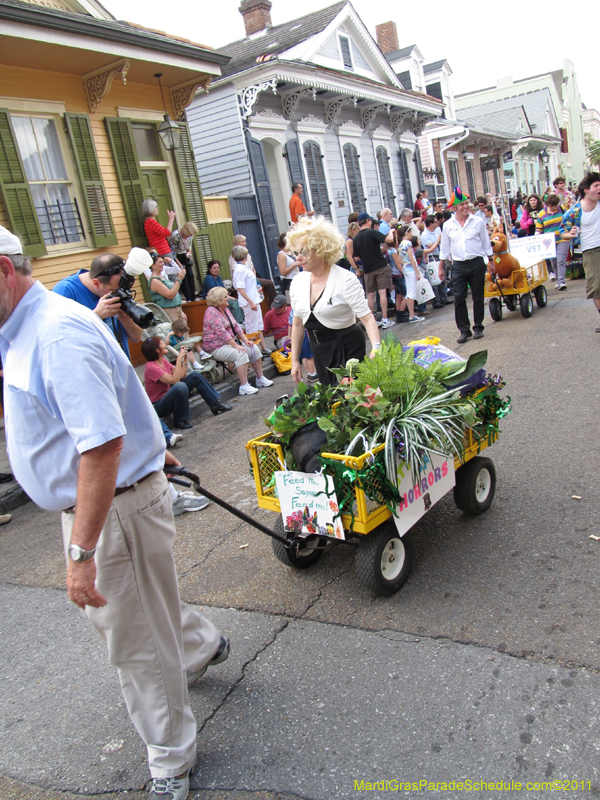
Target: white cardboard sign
{"points": [[435, 480], [530, 250], [305, 506]]}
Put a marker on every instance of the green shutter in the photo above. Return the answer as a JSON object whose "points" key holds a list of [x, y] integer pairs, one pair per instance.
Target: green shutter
{"points": [[94, 193], [129, 174], [16, 191], [192, 198]]}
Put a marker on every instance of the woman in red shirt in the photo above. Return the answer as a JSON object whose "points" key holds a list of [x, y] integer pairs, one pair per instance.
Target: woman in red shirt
{"points": [[155, 233]]}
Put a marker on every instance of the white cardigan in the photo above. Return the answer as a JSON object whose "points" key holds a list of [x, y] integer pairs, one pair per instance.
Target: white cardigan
{"points": [[343, 299]]}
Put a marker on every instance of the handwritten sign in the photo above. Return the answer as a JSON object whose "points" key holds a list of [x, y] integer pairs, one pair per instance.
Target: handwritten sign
{"points": [[435, 480], [531, 250], [305, 505]]}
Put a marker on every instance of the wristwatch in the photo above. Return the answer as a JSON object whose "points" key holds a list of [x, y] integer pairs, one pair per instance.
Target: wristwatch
{"points": [[77, 553]]}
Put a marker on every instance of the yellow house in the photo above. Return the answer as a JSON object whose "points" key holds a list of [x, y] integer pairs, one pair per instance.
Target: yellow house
{"points": [[80, 108]]}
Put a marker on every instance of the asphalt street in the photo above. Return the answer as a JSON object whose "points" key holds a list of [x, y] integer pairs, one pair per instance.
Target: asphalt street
{"points": [[485, 666]]}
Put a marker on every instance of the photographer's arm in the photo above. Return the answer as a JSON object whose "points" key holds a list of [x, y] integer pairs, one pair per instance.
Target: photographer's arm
{"points": [[96, 483], [133, 331]]}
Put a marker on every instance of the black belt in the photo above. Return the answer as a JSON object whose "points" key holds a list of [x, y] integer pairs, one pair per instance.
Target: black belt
{"points": [[329, 334], [471, 260], [137, 483]]}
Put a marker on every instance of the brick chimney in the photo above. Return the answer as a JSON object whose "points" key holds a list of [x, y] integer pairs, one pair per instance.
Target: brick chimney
{"points": [[256, 14], [387, 37]]}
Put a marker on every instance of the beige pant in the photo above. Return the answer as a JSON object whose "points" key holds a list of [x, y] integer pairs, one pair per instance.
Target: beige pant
{"points": [[152, 637]]}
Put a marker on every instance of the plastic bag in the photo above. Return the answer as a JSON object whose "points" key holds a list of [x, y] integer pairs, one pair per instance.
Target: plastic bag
{"points": [[282, 360], [424, 291], [433, 272]]}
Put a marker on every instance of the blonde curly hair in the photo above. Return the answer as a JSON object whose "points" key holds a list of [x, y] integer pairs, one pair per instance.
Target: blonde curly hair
{"points": [[319, 235]]}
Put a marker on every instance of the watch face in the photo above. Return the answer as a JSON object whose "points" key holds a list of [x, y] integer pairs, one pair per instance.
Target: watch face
{"points": [[75, 552]]}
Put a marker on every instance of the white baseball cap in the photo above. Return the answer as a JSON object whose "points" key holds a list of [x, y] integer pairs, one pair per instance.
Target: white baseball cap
{"points": [[10, 244]]}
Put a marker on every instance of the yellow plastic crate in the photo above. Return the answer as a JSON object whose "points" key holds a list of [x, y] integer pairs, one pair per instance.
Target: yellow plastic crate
{"points": [[266, 459]]}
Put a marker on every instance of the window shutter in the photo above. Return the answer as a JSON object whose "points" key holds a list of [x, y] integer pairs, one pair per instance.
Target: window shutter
{"points": [[192, 198], [94, 193], [405, 178], [385, 176], [292, 152], [419, 166], [129, 175], [346, 54], [357, 193], [16, 191], [316, 179]]}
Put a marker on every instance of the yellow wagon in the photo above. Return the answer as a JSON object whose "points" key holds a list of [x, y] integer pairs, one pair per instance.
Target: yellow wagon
{"points": [[526, 283], [383, 557]]}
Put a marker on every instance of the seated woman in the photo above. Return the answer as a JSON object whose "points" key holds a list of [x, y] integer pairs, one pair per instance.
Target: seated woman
{"points": [[326, 300], [156, 234], [165, 293], [168, 386], [212, 277], [226, 341]]}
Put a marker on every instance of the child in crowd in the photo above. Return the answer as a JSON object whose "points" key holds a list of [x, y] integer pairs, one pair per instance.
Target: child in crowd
{"points": [[181, 244], [399, 291], [306, 356], [410, 270], [178, 335]]}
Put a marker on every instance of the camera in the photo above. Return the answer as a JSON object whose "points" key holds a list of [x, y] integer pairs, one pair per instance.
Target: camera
{"points": [[138, 260]]}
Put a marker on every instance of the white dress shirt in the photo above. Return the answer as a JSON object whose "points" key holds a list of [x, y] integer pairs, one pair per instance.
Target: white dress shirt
{"points": [[68, 388], [343, 299], [464, 242]]}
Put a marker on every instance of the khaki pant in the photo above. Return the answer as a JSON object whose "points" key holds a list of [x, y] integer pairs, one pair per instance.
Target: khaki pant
{"points": [[152, 637]]}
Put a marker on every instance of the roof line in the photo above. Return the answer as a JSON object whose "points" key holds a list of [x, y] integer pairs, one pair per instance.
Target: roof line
{"points": [[102, 29]]}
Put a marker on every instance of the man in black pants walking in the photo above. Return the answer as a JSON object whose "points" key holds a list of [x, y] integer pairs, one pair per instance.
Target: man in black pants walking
{"points": [[465, 238]]}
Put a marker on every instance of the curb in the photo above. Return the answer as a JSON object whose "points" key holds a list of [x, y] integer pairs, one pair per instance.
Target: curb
{"points": [[13, 498]]}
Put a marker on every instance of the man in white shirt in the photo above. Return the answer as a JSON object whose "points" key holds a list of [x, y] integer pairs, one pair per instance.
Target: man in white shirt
{"points": [[83, 438], [465, 238]]}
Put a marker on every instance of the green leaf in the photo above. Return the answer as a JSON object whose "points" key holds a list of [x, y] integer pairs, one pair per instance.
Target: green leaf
{"points": [[475, 362], [301, 388]]}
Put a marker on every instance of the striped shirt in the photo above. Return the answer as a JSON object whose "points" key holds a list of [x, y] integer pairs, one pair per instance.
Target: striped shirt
{"points": [[549, 222]]}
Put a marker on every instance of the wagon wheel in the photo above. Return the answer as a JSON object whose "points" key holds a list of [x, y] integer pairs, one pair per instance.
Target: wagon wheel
{"points": [[541, 296], [383, 560], [526, 305], [511, 302], [496, 308], [475, 485], [304, 558]]}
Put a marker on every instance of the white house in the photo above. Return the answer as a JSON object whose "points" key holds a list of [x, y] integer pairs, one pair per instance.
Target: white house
{"points": [[313, 101]]}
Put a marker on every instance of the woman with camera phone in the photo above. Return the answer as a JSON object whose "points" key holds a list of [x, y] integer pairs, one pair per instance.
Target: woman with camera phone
{"points": [[165, 293]]}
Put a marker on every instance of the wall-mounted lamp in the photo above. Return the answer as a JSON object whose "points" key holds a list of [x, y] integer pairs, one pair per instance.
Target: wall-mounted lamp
{"points": [[169, 131]]}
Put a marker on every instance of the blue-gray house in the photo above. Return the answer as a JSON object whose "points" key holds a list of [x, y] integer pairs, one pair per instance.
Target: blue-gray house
{"points": [[313, 100]]}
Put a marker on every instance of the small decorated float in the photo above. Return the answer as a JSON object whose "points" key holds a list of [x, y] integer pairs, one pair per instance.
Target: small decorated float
{"points": [[360, 463]]}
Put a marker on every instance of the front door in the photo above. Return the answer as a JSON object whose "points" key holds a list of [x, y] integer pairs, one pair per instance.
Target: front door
{"points": [[156, 186]]}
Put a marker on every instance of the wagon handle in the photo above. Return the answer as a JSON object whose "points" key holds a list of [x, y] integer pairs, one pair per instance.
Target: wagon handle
{"points": [[172, 470]]}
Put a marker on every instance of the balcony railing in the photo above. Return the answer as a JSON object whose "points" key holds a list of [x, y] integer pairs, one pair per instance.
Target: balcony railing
{"points": [[60, 222]]}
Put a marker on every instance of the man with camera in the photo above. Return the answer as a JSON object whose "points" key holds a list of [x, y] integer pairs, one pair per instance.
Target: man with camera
{"points": [[93, 289], [83, 438]]}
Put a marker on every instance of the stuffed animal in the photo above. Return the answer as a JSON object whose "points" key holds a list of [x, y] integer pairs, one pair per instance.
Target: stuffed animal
{"points": [[504, 262]]}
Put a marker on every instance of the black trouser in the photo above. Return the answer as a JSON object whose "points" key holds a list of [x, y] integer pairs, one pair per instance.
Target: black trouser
{"points": [[464, 274], [188, 285]]}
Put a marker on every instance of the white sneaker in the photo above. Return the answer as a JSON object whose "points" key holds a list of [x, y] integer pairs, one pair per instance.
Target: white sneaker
{"points": [[263, 382], [170, 788], [416, 319], [562, 287], [387, 323], [552, 276], [187, 501], [557, 286], [247, 389], [175, 437]]}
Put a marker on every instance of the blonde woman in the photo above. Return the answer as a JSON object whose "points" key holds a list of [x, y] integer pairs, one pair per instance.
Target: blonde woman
{"points": [[326, 300], [181, 242]]}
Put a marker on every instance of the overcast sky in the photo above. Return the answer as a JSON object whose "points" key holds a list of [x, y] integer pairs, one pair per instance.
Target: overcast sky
{"points": [[480, 41]]}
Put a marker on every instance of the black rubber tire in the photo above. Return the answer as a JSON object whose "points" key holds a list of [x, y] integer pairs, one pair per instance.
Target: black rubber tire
{"points": [[511, 302], [289, 558], [526, 302], [496, 309], [475, 485], [372, 559], [541, 296]]}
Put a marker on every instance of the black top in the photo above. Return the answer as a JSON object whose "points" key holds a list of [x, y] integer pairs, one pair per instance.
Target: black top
{"points": [[367, 246]]}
